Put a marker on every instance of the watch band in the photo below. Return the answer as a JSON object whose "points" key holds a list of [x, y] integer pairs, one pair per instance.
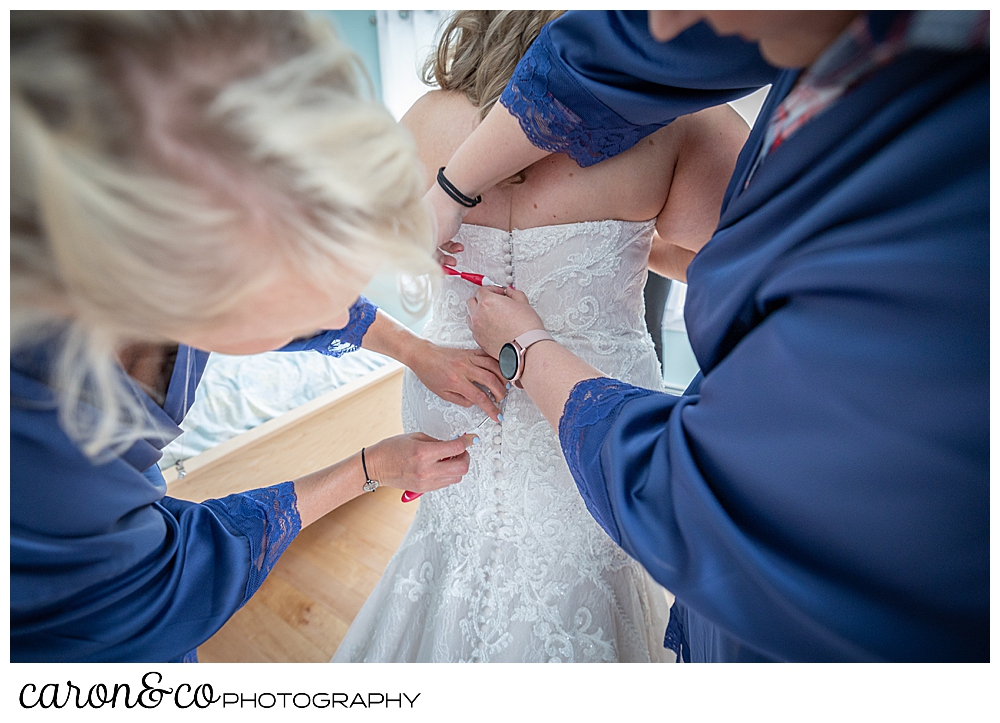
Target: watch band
{"points": [[511, 357], [530, 337], [521, 344]]}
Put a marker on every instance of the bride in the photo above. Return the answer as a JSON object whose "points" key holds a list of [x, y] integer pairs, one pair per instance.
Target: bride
{"points": [[508, 565]]}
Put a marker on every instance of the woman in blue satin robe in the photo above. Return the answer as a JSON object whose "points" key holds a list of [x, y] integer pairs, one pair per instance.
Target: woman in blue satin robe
{"points": [[184, 182], [821, 491], [103, 565]]}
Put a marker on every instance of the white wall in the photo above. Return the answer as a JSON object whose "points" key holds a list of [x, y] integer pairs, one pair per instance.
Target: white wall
{"points": [[405, 39]]}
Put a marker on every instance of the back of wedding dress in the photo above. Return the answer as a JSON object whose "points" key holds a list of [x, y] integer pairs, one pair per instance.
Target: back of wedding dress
{"points": [[508, 565]]}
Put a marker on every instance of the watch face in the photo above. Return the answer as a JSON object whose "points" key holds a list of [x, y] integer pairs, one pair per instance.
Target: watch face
{"points": [[508, 361]]}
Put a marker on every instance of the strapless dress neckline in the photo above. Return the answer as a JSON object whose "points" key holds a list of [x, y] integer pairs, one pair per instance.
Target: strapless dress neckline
{"points": [[558, 226]]}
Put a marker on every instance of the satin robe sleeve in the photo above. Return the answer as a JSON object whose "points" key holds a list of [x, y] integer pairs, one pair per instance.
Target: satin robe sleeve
{"points": [[337, 342], [594, 83], [824, 493], [104, 568]]}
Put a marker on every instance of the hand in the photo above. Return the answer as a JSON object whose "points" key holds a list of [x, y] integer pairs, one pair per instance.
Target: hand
{"points": [[496, 317], [442, 253], [418, 462], [453, 374], [448, 217]]}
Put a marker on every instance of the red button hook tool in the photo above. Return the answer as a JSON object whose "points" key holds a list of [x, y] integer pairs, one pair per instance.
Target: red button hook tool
{"points": [[477, 279]]}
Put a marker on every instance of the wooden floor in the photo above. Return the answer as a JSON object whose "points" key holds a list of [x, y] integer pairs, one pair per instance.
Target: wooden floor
{"points": [[304, 607]]}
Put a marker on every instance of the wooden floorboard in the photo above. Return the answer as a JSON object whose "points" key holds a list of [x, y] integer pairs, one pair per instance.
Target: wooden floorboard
{"points": [[324, 629], [342, 600], [304, 607]]}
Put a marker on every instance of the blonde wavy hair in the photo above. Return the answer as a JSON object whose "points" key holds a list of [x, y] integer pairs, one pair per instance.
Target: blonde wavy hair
{"points": [[479, 50], [164, 163]]}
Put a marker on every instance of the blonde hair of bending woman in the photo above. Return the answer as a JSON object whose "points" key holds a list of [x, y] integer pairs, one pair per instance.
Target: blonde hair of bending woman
{"points": [[164, 163], [479, 50]]}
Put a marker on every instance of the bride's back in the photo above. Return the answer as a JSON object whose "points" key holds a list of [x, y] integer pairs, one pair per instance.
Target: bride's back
{"points": [[474, 61], [631, 186]]}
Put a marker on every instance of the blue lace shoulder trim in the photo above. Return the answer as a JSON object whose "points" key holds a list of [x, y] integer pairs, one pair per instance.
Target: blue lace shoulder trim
{"points": [[269, 517], [552, 126], [586, 420]]}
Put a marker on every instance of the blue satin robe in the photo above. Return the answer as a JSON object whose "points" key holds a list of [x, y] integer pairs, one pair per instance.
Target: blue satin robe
{"points": [[103, 566], [821, 492]]}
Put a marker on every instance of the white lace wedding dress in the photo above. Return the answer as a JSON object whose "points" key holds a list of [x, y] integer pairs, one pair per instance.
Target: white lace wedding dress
{"points": [[508, 565]]}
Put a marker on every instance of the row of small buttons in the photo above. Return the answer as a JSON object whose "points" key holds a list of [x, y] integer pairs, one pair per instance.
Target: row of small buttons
{"points": [[490, 572], [491, 568], [508, 261]]}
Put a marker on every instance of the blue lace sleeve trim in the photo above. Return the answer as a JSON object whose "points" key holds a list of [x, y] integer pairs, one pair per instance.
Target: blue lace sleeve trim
{"points": [[551, 125], [338, 342], [269, 517], [586, 420]]}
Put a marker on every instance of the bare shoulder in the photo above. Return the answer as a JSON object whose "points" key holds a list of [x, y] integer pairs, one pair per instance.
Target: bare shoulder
{"points": [[718, 125], [439, 121], [435, 105]]}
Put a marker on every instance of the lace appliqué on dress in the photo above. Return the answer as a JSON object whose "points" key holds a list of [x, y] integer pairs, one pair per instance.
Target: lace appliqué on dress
{"points": [[269, 518], [593, 402], [552, 126], [509, 566]]}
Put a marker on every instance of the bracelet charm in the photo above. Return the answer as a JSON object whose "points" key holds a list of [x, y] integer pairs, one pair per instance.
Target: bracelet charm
{"points": [[370, 484]]}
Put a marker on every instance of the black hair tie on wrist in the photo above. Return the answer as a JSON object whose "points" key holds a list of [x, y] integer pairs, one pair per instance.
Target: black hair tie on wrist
{"points": [[455, 194]]}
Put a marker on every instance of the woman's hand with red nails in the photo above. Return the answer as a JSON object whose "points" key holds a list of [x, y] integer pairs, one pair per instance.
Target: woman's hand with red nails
{"points": [[443, 253]]}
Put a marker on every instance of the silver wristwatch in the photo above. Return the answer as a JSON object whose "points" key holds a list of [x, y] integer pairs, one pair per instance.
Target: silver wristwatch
{"points": [[512, 353]]}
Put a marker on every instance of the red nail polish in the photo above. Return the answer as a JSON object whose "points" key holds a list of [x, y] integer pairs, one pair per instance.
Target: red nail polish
{"points": [[409, 496]]}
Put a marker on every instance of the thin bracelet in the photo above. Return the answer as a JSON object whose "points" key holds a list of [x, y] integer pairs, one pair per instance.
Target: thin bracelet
{"points": [[456, 195], [370, 484]]}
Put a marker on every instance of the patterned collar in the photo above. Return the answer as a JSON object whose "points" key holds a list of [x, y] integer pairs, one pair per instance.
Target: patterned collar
{"points": [[870, 42]]}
